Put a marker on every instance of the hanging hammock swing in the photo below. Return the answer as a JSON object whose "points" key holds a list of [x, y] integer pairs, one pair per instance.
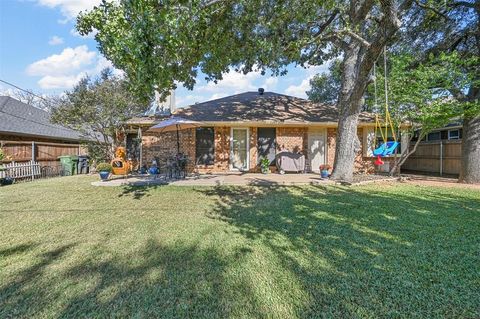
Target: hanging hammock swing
{"points": [[387, 147]]}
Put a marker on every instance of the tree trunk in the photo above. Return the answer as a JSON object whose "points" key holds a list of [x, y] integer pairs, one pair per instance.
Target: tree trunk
{"points": [[349, 105], [346, 147], [470, 170], [403, 158]]}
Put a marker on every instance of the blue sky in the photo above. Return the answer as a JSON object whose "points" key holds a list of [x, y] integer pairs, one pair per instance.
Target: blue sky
{"points": [[40, 51]]}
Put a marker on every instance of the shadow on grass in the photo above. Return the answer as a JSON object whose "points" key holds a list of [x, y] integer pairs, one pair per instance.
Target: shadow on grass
{"points": [[179, 281], [365, 254], [22, 297], [314, 251], [19, 249], [138, 192]]}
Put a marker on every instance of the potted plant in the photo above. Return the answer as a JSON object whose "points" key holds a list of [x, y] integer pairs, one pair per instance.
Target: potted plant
{"points": [[265, 165], [324, 170], [104, 169]]}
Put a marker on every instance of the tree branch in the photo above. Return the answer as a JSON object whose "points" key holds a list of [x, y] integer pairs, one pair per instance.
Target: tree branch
{"points": [[427, 7], [362, 11], [356, 37], [329, 21]]}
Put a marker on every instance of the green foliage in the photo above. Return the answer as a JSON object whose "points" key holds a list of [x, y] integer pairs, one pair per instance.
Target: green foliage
{"points": [[325, 87], [104, 167], [98, 109], [421, 93], [265, 164], [159, 46], [2, 155]]}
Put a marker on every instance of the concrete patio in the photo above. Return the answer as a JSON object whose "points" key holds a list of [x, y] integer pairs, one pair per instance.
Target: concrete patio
{"points": [[237, 179]]}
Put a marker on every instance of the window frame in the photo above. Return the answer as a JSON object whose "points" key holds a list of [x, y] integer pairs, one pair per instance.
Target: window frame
{"points": [[434, 132], [273, 145], [454, 138], [198, 150]]}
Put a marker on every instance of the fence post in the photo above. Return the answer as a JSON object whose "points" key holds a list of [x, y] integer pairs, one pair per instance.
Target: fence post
{"points": [[33, 161], [441, 157]]}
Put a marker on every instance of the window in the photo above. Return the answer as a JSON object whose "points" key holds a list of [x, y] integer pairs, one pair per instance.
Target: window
{"points": [[434, 136], [204, 146], [453, 134], [266, 144]]}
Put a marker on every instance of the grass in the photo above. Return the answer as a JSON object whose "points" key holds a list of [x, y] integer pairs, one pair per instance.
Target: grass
{"points": [[68, 249]]}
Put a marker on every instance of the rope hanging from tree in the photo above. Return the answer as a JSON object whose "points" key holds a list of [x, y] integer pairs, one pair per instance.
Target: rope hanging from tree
{"points": [[387, 147]]}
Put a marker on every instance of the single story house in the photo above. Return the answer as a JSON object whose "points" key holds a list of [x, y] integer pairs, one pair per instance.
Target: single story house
{"points": [[237, 131], [26, 134]]}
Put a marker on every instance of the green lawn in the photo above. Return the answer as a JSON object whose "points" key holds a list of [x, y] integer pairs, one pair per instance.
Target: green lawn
{"points": [[68, 249]]}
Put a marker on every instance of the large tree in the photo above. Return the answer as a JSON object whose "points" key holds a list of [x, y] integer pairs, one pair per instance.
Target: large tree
{"points": [[445, 27], [161, 43], [98, 108], [419, 94]]}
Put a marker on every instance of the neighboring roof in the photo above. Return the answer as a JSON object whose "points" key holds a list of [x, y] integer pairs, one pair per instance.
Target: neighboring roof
{"points": [[268, 107], [18, 118]]}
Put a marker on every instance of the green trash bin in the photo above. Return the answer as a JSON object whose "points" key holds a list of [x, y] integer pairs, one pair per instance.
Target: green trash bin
{"points": [[69, 164], [74, 160]]}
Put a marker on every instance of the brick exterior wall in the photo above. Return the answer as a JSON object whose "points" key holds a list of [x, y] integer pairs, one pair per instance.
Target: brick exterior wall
{"points": [[222, 152], [164, 146], [331, 143], [293, 139]]}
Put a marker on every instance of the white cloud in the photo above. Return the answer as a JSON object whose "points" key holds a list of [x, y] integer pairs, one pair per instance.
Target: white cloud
{"points": [[218, 96], [55, 40], [270, 84], [188, 100], [69, 8], [59, 81], [69, 61], [300, 89], [232, 82], [64, 70]]}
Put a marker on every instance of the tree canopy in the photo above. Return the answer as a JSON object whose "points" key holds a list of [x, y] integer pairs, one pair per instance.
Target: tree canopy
{"points": [[98, 108], [325, 87], [160, 44]]}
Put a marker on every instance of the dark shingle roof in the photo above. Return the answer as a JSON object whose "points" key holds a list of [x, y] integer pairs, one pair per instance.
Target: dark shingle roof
{"points": [[269, 107], [19, 118]]}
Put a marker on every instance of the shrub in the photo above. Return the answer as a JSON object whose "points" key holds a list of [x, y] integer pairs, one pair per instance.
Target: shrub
{"points": [[104, 167], [2, 155], [264, 163]]}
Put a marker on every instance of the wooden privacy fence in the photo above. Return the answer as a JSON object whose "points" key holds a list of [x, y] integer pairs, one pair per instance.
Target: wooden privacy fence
{"points": [[46, 153], [442, 157]]}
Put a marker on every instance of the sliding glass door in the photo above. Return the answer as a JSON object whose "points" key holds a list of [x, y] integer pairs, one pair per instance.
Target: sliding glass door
{"points": [[239, 149]]}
